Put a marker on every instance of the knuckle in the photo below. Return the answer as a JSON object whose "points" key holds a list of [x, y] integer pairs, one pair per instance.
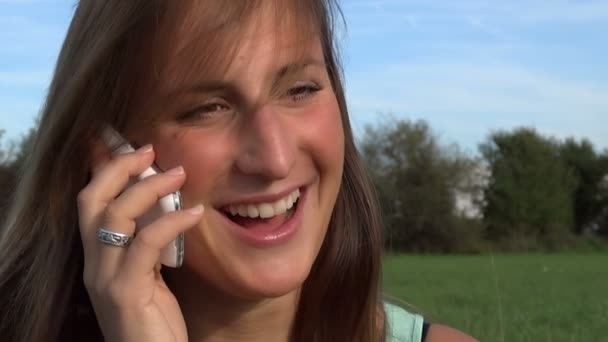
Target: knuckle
{"points": [[122, 165], [116, 291], [113, 212], [126, 161], [88, 282], [145, 239], [97, 289], [147, 186], [84, 197], [130, 162], [160, 184]]}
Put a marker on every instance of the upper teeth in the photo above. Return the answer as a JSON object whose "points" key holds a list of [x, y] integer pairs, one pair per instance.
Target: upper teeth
{"points": [[265, 210]]}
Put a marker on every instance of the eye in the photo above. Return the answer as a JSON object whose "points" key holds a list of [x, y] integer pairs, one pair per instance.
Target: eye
{"points": [[206, 111], [302, 91]]}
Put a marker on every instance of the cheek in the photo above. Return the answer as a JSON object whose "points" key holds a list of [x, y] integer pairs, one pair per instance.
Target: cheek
{"points": [[205, 161], [322, 130]]}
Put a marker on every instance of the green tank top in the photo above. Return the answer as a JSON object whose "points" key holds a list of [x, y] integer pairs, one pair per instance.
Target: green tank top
{"points": [[402, 326]]}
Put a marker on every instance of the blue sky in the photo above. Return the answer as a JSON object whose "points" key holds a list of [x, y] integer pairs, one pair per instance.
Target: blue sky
{"points": [[467, 67]]}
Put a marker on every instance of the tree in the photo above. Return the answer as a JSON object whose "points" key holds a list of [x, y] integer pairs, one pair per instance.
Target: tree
{"points": [[24, 148], [602, 220], [417, 180], [590, 194], [7, 176], [12, 158], [529, 195], [5, 153]]}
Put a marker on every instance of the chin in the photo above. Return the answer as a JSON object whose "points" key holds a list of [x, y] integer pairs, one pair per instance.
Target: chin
{"points": [[274, 280]]}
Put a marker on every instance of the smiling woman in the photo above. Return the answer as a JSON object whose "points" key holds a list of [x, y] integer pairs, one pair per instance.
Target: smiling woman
{"points": [[242, 103]]}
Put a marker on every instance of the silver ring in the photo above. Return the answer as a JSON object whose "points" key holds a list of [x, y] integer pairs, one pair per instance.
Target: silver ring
{"points": [[112, 238]]}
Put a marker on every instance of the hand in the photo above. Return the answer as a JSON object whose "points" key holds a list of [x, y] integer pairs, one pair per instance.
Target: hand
{"points": [[130, 298]]}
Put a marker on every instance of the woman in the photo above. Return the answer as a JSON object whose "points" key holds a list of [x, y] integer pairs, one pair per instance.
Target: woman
{"points": [[242, 103]]}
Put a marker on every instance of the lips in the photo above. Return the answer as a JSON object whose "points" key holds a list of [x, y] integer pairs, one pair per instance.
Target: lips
{"points": [[266, 232]]}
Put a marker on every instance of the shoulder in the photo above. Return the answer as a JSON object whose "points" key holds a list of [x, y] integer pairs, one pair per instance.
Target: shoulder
{"points": [[404, 326], [443, 333]]}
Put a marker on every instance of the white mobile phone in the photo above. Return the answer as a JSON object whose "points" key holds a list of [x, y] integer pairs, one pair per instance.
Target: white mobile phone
{"points": [[173, 254]]}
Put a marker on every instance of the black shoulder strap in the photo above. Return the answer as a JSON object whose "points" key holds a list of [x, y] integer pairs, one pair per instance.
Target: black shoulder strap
{"points": [[425, 330]]}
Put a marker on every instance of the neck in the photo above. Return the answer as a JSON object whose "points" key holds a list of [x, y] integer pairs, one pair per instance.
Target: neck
{"points": [[213, 315]]}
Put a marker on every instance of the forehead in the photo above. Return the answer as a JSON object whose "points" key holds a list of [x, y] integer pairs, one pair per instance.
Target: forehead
{"points": [[207, 38]]}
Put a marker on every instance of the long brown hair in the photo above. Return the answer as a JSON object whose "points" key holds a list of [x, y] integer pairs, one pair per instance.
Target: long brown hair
{"points": [[99, 79]]}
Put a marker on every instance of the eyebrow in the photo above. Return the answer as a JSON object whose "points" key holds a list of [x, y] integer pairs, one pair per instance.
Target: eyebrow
{"points": [[217, 86], [297, 66]]}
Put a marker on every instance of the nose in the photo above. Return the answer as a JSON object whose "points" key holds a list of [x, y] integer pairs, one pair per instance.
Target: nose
{"points": [[268, 148]]}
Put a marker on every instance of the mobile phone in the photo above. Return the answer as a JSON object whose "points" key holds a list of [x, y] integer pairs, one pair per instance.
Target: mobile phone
{"points": [[173, 254]]}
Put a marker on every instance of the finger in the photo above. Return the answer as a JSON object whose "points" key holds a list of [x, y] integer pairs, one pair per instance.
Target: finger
{"points": [[139, 198], [92, 201], [121, 214], [100, 156], [144, 253], [106, 185], [116, 173]]}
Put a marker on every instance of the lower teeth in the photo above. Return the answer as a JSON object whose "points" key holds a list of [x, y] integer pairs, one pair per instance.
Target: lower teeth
{"points": [[289, 212]]}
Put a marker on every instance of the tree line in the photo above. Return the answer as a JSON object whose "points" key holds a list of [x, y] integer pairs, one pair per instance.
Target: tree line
{"points": [[522, 191], [12, 157]]}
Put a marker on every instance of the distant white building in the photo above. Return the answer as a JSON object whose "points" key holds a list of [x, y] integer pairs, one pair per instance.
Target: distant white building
{"points": [[469, 195]]}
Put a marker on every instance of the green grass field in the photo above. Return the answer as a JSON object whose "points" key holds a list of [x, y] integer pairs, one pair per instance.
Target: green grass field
{"points": [[504, 298]]}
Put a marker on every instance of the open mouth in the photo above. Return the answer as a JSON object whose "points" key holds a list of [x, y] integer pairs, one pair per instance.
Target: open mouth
{"points": [[263, 216]]}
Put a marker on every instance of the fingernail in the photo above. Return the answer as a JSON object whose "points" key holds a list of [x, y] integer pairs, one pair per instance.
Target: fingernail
{"points": [[176, 171], [145, 149], [197, 210]]}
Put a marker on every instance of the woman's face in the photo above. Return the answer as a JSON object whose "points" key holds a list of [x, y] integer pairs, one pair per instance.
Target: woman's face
{"points": [[266, 132]]}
